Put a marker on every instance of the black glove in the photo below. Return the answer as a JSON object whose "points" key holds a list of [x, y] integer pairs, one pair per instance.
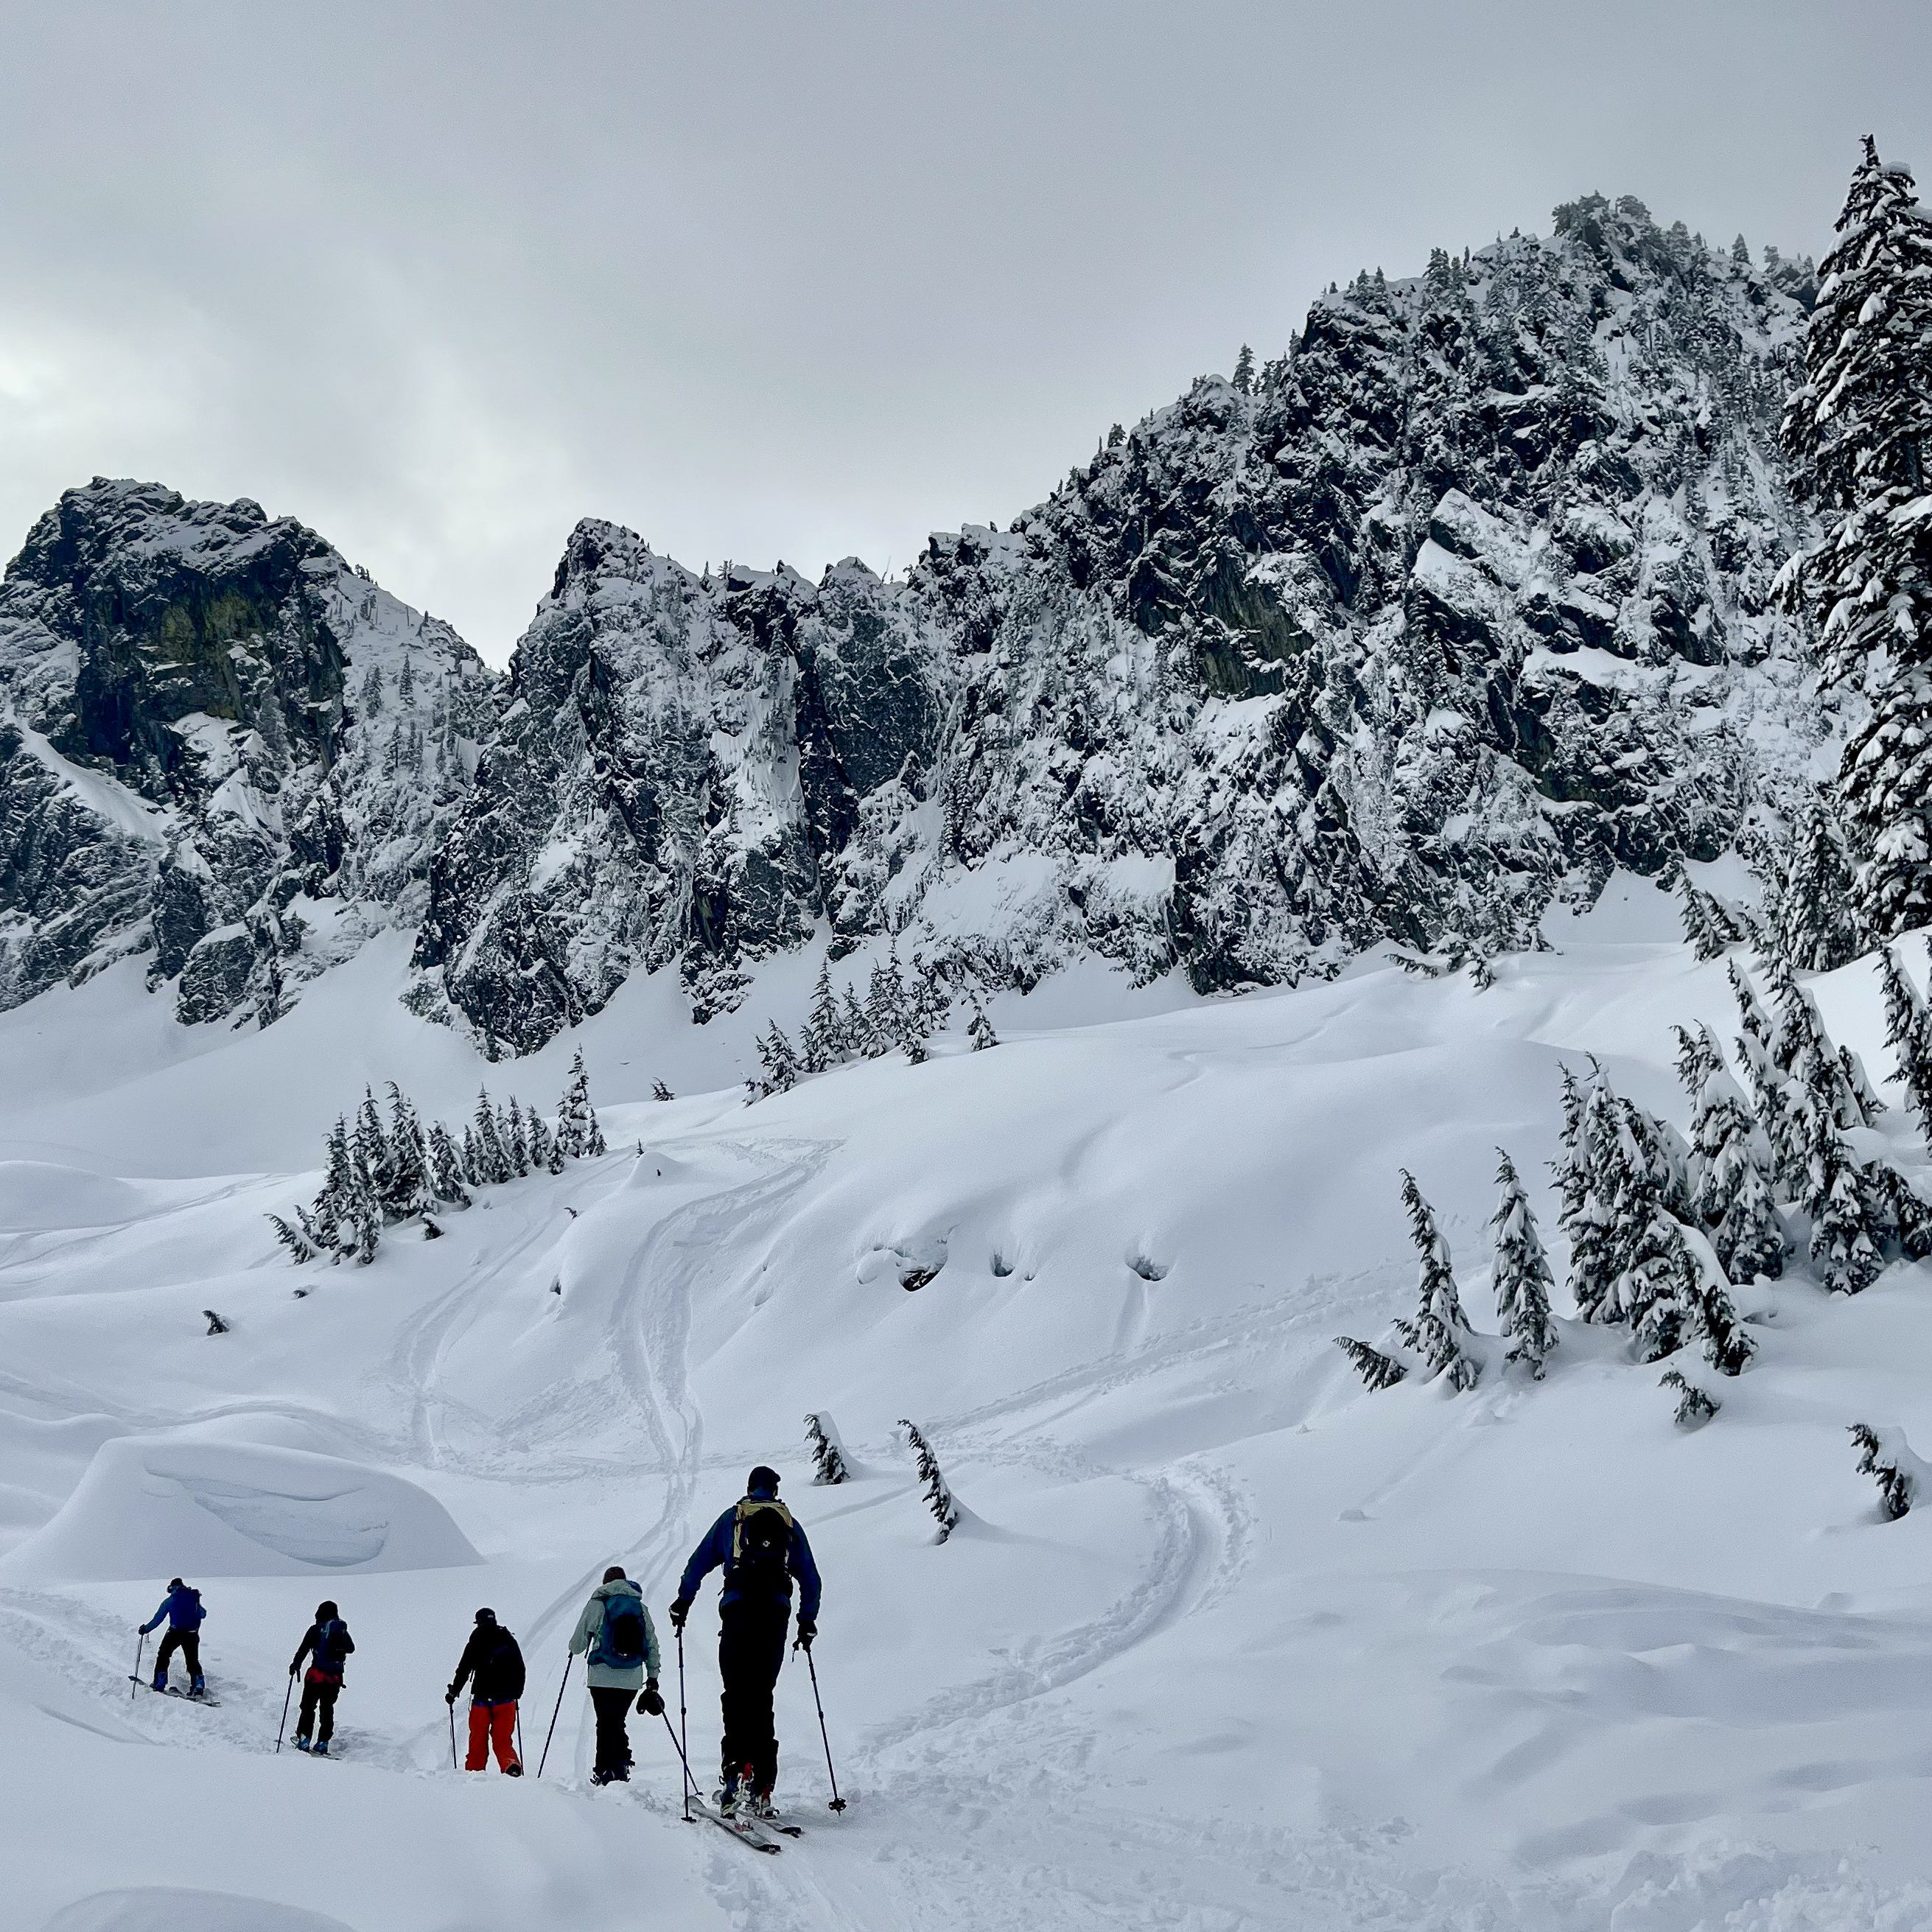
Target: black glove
{"points": [[293, 1668], [449, 1696], [807, 1630], [649, 1701], [680, 1611]]}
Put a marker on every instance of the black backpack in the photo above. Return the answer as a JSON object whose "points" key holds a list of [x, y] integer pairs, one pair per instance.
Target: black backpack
{"points": [[761, 1547], [620, 1643]]}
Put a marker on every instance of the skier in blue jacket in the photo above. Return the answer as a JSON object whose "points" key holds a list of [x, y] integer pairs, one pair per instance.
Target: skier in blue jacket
{"points": [[760, 1549], [182, 1607]]}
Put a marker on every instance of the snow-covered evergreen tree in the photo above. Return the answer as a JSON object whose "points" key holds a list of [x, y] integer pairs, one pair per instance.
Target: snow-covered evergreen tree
{"points": [[1859, 430], [1845, 1249], [821, 1040], [445, 1169], [776, 1053], [885, 1007], [1440, 1323], [510, 1137], [491, 1167], [659, 1091], [536, 1139], [1751, 1016], [1908, 1033], [1694, 1406], [938, 1497], [577, 1132], [829, 1462], [408, 1191], [1522, 1280], [1377, 1370], [856, 1029], [1885, 1455], [979, 1029], [300, 1247], [1707, 925], [1730, 1192], [1818, 927], [369, 1146]]}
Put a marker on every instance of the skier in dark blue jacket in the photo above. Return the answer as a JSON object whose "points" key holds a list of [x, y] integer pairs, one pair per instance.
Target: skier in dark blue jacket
{"points": [[760, 1549], [182, 1607]]}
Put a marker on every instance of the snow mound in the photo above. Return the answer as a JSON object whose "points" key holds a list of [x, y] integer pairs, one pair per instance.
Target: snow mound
{"points": [[166, 1908], [36, 1195], [154, 1507]]}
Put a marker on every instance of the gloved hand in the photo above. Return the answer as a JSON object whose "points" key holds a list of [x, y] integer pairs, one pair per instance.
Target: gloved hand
{"points": [[449, 1696], [680, 1611], [649, 1701], [807, 1630], [293, 1668]]}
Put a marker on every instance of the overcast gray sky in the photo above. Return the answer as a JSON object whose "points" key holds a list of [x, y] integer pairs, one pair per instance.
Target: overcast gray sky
{"points": [[795, 280]]}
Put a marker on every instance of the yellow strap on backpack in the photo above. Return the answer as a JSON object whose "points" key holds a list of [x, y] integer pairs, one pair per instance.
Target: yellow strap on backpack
{"points": [[744, 1511]]}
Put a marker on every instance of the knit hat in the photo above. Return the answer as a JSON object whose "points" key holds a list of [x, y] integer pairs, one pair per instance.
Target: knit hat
{"points": [[762, 1482]]}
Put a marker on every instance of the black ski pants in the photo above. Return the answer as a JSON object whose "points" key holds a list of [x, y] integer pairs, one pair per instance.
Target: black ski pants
{"points": [[613, 1738], [318, 1706], [751, 1651], [188, 1642]]}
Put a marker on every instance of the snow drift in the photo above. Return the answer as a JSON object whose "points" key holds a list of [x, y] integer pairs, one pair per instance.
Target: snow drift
{"points": [[150, 1507]]}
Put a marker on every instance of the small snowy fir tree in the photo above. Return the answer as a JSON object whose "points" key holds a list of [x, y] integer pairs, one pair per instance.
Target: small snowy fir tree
{"points": [[780, 1061], [408, 1192], [980, 1030], [1897, 1210], [938, 1497], [1884, 1454], [1706, 925], [300, 1247], [510, 1135], [857, 1030], [659, 1091], [1440, 1323], [1694, 1407], [445, 1169], [1730, 1193], [331, 1222], [1818, 929], [370, 1147], [1908, 1033], [1751, 1015], [885, 1007], [364, 1220], [822, 1041], [492, 1165], [1843, 1249], [1377, 1370], [1522, 1278], [536, 1139], [576, 1119], [828, 1453], [1656, 1293]]}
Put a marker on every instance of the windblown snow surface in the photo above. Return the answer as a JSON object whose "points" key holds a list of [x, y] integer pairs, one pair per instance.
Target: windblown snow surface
{"points": [[1223, 1642]]}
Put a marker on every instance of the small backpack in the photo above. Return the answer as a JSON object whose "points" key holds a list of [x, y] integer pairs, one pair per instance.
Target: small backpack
{"points": [[761, 1546], [192, 1613], [620, 1643]]}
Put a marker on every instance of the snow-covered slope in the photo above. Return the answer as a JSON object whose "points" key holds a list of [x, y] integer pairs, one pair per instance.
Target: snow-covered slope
{"points": [[1222, 1640]]}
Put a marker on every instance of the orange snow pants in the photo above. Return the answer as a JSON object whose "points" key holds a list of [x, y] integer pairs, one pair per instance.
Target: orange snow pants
{"points": [[492, 1724]]}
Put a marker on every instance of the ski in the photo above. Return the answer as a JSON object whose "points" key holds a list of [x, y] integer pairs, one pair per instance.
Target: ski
{"points": [[213, 1703], [742, 1829]]}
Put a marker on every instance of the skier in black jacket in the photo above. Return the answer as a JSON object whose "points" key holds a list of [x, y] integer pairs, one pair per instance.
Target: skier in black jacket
{"points": [[327, 1645], [495, 1665]]}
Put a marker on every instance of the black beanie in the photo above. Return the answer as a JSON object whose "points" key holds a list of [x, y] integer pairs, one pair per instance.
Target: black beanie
{"points": [[324, 1610], [175, 1583], [762, 1480], [486, 1616]]}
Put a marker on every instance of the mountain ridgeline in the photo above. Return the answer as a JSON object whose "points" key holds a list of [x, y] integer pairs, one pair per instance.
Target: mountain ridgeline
{"points": [[1437, 618]]}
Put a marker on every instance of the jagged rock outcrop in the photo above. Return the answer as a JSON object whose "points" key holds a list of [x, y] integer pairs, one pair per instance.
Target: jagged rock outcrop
{"points": [[1459, 604], [219, 744]]}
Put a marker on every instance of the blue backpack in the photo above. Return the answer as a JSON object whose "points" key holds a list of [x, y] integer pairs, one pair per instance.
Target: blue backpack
{"points": [[620, 1641]]}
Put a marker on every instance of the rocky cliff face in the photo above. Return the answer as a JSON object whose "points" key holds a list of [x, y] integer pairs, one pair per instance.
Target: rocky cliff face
{"points": [[1435, 618], [220, 746], [1443, 614]]}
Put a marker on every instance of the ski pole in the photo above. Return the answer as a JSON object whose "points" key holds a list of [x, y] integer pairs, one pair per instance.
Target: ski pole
{"points": [[683, 1726], [690, 1783], [284, 1724], [134, 1684], [552, 1732], [838, 1803], [452, 1737], [520, 1730]]}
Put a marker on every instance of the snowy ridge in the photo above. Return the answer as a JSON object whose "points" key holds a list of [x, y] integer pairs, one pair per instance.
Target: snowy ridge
{"points": [[1428, 623]]}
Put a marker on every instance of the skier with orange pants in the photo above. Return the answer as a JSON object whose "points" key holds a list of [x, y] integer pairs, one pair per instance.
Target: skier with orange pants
{"points": [[493, 1665]]}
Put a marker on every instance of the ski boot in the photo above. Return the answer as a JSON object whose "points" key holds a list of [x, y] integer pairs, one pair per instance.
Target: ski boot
{"points": [[760, 1806], [160, 1681], [513, 1771], [301, 1743], [198, 1688], [727, 1799], [320, 1750]]}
